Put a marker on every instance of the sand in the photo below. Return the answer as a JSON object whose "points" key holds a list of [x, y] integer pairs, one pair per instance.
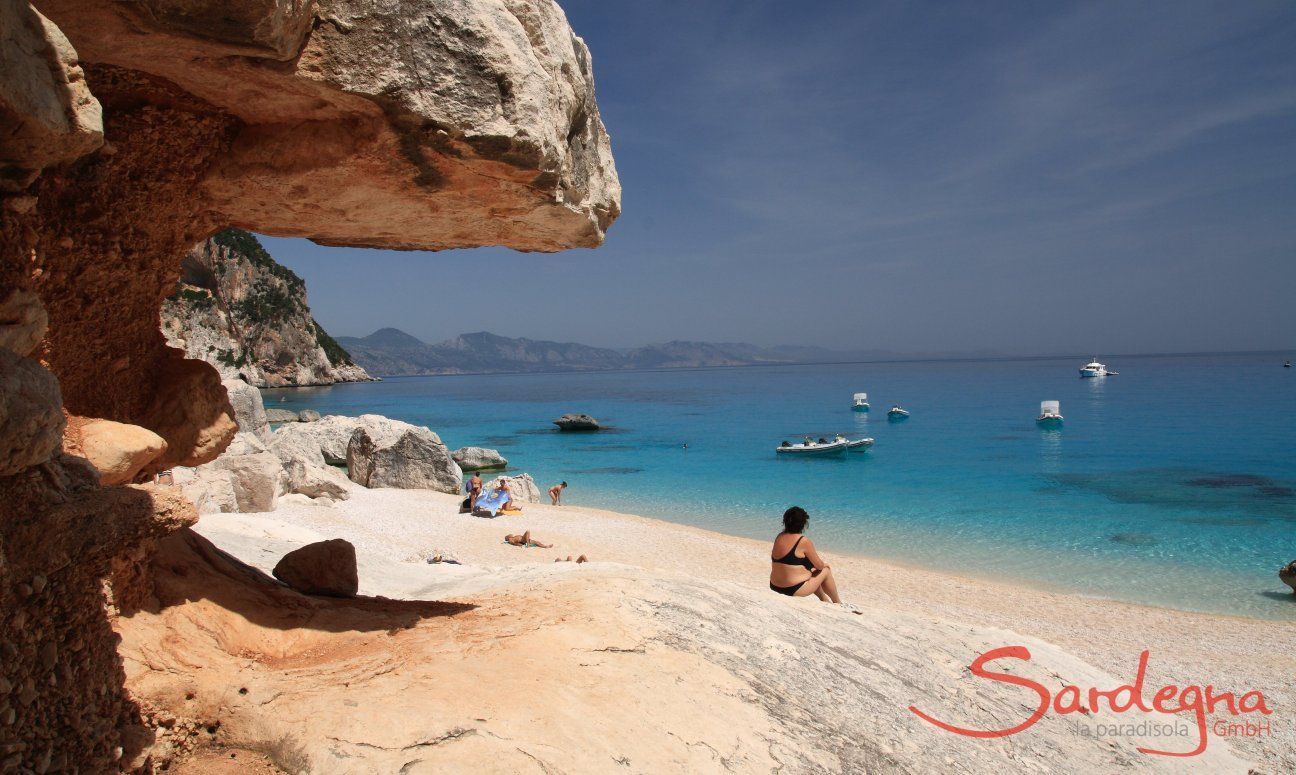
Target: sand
{"points": [[669, 653]]}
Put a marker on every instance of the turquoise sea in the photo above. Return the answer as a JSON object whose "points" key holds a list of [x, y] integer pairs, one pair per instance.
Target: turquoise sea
{"points": [[1172, 484]]}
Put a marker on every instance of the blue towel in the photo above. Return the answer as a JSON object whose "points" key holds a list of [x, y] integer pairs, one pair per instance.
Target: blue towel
{"points": [[492, 501]]}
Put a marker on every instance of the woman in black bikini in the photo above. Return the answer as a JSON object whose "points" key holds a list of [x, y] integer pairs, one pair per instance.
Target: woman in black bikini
{"points": [[797, 569]]}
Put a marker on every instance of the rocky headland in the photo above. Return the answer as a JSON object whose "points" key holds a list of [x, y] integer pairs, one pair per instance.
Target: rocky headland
{"points": [[238, 309]]}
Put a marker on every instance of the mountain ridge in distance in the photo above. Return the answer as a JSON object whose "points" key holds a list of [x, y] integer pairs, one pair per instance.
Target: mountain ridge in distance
{"points": [[393, 353]]}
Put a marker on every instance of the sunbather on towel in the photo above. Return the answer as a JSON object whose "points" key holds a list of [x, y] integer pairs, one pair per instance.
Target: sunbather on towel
{"points": [[495, 500], [525, 540]]}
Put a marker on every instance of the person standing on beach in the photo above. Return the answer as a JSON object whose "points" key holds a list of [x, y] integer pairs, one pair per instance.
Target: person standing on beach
{"points": [[555, 493], [474, 489]]}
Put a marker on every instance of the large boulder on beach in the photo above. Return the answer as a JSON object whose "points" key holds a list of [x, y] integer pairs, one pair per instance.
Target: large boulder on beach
{"points": [[322, 568], [522, 486], [478, 458], [249, 411], [317, 481], [576, 422], [400, 455], [308, 415], [235, 483]]}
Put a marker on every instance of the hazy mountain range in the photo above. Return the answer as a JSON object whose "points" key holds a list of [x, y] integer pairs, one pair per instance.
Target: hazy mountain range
{"points": [[392, 352]]}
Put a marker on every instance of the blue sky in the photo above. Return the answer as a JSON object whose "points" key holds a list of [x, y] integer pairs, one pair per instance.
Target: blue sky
{"points": [[1022, 178]]}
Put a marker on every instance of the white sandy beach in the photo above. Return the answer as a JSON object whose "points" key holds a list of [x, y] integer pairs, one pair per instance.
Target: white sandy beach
{"points": [[669, 653]]}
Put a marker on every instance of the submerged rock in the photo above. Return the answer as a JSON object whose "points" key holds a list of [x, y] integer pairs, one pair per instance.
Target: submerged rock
{"points": [[576, 422], [322, 568], [478, 458]]}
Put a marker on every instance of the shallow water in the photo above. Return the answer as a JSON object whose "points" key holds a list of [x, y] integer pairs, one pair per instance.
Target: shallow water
{"points": [[1173, 483]]}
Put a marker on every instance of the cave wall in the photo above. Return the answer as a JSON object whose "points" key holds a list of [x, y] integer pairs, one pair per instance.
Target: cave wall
{"points": [[129, 131]]}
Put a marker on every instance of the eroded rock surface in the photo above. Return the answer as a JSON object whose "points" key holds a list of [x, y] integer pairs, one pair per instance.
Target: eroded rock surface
{"points": [[321, 568], [478, 458], [522, 486], [396, 454], [119, 451]]}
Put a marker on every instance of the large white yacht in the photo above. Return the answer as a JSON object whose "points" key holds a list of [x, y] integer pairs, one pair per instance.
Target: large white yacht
{"points": [[1095, 369]]}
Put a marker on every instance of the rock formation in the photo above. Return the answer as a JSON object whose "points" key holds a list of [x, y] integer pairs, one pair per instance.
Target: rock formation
{"points": [[119, 451], [396, 454], [238, 309], [522, 486], [276, 415], [322, 568], [134, 131], [478, 458], [576, 422]]}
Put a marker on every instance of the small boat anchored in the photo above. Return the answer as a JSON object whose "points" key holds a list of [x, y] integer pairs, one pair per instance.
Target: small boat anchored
{"points": [[1050, 415], [1095, 369], [898, 412], [856, 445], [860, 402], [808, 447]]}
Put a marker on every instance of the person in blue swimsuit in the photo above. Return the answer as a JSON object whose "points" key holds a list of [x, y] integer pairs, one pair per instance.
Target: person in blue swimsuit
{"points": [[796, 569]]}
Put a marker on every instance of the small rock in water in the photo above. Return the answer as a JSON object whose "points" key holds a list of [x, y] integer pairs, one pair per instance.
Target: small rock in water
{"points": [[577, 422], [308, 415]]}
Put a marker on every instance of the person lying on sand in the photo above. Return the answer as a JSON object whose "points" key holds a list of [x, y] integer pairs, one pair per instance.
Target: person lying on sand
{"points": [[555, 493], [525, 540], [580, 559], [799, 575]]}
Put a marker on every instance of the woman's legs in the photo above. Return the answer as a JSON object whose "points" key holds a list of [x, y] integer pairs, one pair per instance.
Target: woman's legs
{"points": [[822, 585]]}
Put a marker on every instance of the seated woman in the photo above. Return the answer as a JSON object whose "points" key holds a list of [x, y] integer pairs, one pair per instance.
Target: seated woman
{"points": [[797, 570]]}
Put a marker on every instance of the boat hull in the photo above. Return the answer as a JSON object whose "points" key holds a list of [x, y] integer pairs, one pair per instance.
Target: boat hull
{"points": [[1049, 422], [859, 445], [800, 450], [860, 408]]}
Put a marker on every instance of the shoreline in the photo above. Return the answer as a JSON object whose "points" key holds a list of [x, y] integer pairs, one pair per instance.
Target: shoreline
{"points": [[1186, 648]]}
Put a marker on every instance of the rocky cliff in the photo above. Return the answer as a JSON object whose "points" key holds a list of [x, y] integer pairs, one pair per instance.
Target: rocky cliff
{"points": [[241, 311], [133, 131]]}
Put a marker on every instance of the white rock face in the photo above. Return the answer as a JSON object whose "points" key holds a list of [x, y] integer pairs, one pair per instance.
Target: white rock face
{"points": [[323, 442], [235, 483], [522, 486], [396, 454], [249, 412], [413, 125], [50, 116], [31, 413], [119, 451], [478, 458], [317, 481]]}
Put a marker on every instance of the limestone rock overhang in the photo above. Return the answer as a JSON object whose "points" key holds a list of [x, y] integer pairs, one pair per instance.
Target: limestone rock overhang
{"points": [[380, 124]]}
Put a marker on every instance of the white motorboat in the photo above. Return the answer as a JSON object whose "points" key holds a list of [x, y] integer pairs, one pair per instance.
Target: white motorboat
{"points": [[855, 445], [1050, 413], [1095, 369], [809, 447], [860, 402], [897, 413]]}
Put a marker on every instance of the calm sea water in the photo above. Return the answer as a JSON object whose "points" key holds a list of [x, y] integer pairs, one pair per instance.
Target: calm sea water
{"points": [[1172, 484]]}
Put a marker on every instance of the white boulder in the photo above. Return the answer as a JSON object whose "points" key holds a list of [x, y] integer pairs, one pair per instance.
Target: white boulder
{"points": [[478, 458], [522, 486], [391, 453], [249, 411]]}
